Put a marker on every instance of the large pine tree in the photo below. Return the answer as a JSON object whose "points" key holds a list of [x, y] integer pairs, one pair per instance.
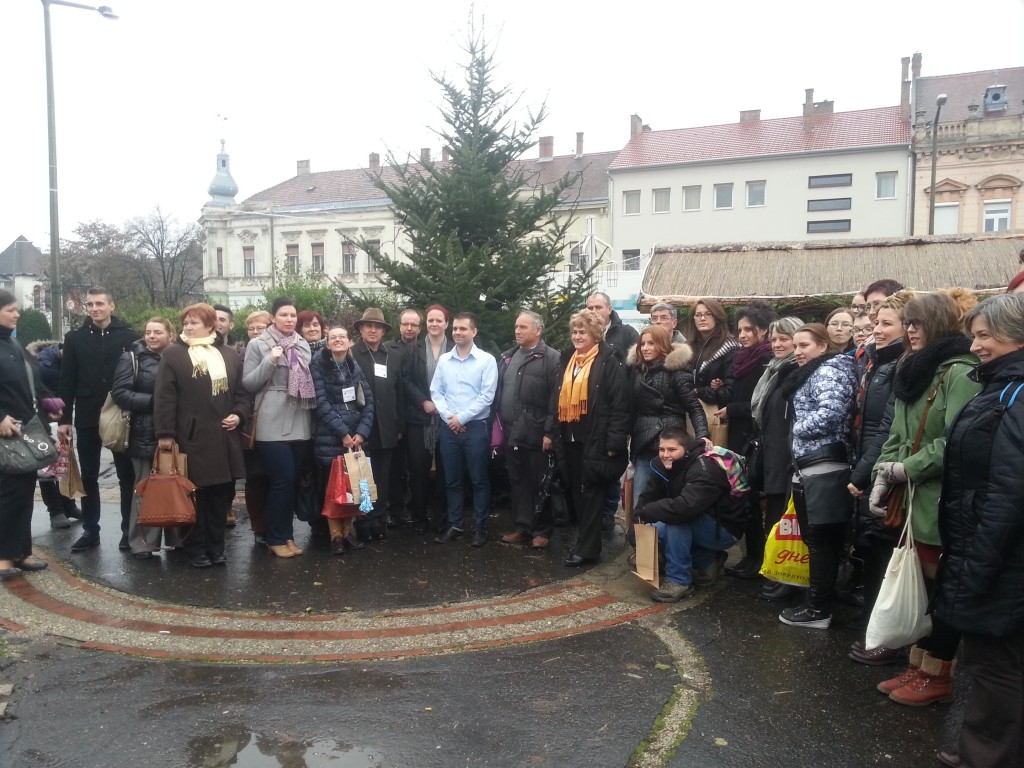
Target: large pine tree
{"points": [[485, 235]]}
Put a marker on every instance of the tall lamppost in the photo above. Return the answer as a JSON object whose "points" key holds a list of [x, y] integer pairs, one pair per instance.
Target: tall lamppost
{"points": [[935, 144], [56, 299]]}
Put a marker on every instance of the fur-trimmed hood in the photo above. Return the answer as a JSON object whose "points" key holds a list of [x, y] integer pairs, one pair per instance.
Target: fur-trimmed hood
{"points": [[675, 360], [38, 346]]}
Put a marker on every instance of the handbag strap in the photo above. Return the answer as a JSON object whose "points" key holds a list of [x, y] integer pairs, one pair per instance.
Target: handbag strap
{"points": [[927, 409], [907, 537], [174, 461]]}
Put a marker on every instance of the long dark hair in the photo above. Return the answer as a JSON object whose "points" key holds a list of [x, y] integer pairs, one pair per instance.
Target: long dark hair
{"points": [[705, 349]]}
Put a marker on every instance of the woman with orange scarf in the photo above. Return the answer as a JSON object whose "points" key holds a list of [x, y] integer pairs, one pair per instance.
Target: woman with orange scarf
{"points": [[594, 420]]}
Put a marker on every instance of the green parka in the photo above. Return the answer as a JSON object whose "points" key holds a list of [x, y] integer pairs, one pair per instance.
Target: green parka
{"points": [[924, 468]]}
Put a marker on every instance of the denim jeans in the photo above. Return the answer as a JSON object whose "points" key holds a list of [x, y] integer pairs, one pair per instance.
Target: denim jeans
{"points": [[691, 545], [467, 452], [283, 460], [642, 474]]}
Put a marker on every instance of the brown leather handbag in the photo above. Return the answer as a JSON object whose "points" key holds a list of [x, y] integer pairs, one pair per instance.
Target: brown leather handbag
{"points": [[167, 501]]}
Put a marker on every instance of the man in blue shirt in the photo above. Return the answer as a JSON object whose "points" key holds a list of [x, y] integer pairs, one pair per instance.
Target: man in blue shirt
{"points": [[462, 390]]}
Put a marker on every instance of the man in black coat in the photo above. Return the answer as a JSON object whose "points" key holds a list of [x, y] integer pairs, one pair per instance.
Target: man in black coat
{"points": [[90, 356], [689, 500], [527, 404], [409, 324], [383, 369]]}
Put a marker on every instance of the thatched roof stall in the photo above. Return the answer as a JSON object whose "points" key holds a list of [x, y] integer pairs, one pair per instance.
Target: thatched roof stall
{"points": [[740, 272]]}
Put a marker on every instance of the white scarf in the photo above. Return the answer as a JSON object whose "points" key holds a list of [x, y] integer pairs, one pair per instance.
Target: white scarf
{"points": [[207, 360]]}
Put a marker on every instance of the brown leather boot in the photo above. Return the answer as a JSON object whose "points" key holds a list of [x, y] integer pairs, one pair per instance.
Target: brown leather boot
{"points": [[934, 683], [890, 685]]}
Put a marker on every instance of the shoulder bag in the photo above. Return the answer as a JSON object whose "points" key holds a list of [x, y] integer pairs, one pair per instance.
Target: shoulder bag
{"points": [[33, 449], [115, 421]]}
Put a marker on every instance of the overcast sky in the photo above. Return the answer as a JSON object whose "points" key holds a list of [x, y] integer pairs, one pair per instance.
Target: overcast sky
{"points": [[142, 102]]}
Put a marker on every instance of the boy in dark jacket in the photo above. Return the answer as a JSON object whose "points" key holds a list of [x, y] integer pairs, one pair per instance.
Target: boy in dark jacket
{"points": [[689, 501]]}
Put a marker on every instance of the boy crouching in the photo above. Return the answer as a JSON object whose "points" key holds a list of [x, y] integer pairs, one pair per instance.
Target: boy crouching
{"points": [[688, 500]]}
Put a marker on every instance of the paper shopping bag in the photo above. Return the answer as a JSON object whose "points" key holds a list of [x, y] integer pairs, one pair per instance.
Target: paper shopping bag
{"points": [[647, 566], [786, 559], [165, 463], [70, 485], [357, 464], [339, 501]]}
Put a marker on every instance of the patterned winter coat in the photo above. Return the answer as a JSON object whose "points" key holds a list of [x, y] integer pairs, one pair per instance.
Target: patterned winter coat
{"points": [[663, 396], [823, 406]]}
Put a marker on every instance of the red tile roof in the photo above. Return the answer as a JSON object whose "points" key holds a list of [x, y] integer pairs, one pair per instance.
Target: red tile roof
{"points": [[761, 138], [354, 185], [968, 88]]}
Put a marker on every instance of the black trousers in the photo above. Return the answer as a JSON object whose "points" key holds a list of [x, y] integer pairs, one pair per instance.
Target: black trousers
{"points": [[825, 546], [526, 467], [89, 448], [207, 535], [376, 521], [427, 496], [17, 497], [56, 504], [992, 735], [399, 480], [589, 502]]}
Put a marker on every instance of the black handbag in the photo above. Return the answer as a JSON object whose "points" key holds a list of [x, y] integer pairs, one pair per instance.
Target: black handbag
{"points": [[826, 496], [33, 449]]}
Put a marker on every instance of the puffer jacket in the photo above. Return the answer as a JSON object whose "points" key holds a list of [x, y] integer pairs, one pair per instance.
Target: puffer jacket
{"points": [[335, 418], [535, 396], [695, 486], [823, 406], [663, 396], [47, 352], [134, 393], [708, 367], [875, 402], [980, 583]]}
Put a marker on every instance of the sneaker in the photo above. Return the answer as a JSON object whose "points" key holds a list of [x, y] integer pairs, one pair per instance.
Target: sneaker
{"points": [[672, 592], [85, 541], [59, 521], [805, 616]]}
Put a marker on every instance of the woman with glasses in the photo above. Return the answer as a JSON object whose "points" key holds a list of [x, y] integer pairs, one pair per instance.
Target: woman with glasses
{"points": [[707, 333], [858, 305], [840, 330], [932, 384], [862, 331]]}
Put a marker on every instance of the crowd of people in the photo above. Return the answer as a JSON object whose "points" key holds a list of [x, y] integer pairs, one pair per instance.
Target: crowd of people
{"points": [[901, 403]]}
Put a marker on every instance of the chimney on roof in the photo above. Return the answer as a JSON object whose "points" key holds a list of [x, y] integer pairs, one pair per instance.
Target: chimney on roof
{"points": [[636, 126], [425, 155], [446, 155], [905, 89], [374, 161], [579, 143], [301, 167], [826, 107], [915, 66], [750, 115], [547, 147], [808, 102]]}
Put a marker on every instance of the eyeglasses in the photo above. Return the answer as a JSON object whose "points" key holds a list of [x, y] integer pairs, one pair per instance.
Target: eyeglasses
{"points": [[859, 309], [701, 315], [861, 331], [337, 338], [838, 324], [259, 328], [915, 324]]}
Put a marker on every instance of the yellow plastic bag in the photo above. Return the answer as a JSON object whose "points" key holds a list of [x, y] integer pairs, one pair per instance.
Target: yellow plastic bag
{"points": [[786, 559]]}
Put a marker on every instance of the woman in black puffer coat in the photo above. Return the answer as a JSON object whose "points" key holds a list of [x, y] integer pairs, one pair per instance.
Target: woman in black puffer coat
{"points": [[707, 333], [663, 396], [980, 582], [344, 410], [132, 390]]}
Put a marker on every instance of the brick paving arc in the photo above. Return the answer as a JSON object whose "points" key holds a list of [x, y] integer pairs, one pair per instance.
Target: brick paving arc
{"points": [[58, 603]]}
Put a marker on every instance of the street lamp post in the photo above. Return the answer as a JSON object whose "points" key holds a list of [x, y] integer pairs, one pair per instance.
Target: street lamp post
{"points": [[56, 297], [935, 143]]}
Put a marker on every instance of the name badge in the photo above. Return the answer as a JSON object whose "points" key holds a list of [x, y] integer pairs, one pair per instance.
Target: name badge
{"points": [[380, 370], [348, 394]]}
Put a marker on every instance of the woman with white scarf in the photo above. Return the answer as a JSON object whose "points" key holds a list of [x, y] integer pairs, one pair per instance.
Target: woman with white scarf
{"points": [[197, 404], [277, 375]]}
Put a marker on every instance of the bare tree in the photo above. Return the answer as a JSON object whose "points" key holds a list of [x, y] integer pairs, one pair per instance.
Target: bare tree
{"points": [[167, 257]]}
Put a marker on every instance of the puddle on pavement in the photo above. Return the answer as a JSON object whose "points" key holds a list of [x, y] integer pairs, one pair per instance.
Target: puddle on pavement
{"points": [[258, 750]]}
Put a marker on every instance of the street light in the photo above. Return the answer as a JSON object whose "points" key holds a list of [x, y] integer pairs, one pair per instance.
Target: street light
{"points": [[939, 102], [56, 299]]}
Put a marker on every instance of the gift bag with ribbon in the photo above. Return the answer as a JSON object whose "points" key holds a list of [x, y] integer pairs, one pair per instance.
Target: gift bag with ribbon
{"points": [[648, 567], [70, 485], [786, 559], [339, 501], [360, 478]]}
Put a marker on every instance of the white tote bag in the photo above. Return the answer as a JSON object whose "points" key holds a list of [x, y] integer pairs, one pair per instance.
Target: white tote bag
{"points": [[899, 617]]}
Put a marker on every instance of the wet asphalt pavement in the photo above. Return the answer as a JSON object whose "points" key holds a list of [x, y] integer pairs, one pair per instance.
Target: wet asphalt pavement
{"points": [[771, 695]]}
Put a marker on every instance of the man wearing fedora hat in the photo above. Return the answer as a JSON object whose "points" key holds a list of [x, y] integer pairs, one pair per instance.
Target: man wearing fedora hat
{"points": [[383, 369]]}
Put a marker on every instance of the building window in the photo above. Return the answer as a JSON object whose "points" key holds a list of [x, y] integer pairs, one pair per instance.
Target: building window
{"points": [[947, 218], [631, 260], [318, 257], [662, 200], [631, 202], [292, 258], [830, 204], [577, 259], [833, 180], [997, 215], [691, 198], [372, 247], [220, 262], [885, 185], [833, 225], [249, 260], [755, 194], [348, 258], [723, 196]]}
